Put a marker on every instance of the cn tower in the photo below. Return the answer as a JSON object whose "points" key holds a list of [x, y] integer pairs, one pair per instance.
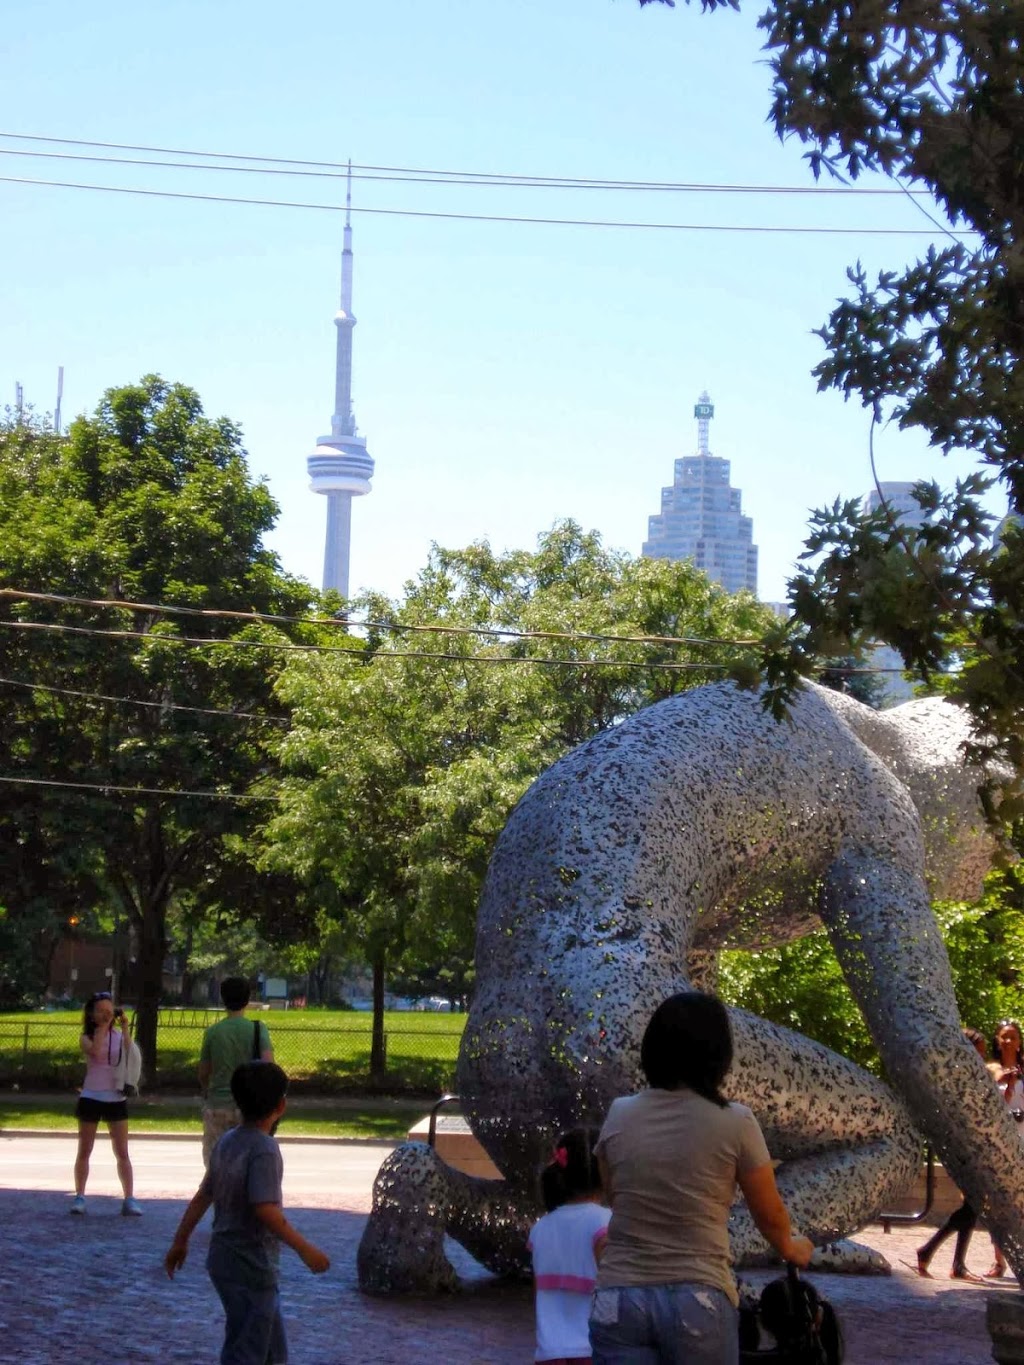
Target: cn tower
{"points": [[340, 467]]}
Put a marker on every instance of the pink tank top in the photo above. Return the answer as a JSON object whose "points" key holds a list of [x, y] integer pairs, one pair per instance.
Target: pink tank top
{"points": [[99, 1071]]}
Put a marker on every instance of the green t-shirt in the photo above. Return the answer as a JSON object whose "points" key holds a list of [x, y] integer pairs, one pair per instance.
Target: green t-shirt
{"points": [[228, 1044]]}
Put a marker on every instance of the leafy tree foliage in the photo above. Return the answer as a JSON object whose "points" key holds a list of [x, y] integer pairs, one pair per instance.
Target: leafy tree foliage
{"points": [[147, 501], [402, 765], [932, 95], [801, 985]]}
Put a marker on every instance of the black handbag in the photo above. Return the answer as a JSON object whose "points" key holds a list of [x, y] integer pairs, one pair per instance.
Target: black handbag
{"points": [[803, 1323]]}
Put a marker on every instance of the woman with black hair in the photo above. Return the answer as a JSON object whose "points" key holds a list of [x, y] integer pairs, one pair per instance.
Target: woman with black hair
{"points": [[1008, 1062], [1007, 1070], [100, 1100], [671, 1157]]}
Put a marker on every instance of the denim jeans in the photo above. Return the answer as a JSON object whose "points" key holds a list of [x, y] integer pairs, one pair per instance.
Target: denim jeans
{"points": [[254, 1331], [664, 1324]]}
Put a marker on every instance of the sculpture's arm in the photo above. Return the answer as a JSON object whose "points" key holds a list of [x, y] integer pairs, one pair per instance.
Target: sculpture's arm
{"points": [[879, 918]]}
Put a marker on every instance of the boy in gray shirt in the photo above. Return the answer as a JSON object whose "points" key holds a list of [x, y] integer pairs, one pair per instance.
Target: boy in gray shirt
{"points": [[243, 1184]]}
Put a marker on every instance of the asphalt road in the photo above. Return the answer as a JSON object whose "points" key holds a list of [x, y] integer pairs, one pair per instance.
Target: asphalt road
{"points": [[320, 1174]]}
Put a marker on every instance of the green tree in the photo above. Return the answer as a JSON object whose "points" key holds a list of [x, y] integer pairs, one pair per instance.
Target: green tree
{"points": [[801, 984], [147, 501], [402, 764], [930, 94], [852, 675]]}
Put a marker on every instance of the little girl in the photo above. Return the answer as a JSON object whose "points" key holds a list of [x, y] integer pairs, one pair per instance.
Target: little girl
{"points": [[566, 1245]]}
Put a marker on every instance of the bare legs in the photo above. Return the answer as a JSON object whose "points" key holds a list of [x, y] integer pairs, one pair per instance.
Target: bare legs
{"points": [[119, 1142], [86, 1138]]}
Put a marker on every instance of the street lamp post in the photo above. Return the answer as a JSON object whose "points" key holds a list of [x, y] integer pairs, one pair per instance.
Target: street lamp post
{"points": [[73, 970]]}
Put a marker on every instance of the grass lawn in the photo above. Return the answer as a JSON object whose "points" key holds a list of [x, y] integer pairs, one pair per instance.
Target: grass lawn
{"points": [[330, 1048], [388, 1120]]}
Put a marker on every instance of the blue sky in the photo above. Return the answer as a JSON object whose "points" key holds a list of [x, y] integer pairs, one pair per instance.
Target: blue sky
{"points": [[506, 375]]}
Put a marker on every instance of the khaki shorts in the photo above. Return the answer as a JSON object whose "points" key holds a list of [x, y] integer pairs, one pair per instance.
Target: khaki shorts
{"points": [[216, 1123]]}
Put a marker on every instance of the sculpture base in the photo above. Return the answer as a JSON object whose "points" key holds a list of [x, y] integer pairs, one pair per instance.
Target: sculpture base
{"points": [[456, 1146], [1004, 1317]]}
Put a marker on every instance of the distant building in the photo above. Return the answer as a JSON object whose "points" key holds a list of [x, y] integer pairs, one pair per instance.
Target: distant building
{"points": [[898, 497], [701, 518], [998, 535]]}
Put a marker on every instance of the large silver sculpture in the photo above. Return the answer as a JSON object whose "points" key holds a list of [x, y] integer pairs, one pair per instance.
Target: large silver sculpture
{"points": [[702, 823]]}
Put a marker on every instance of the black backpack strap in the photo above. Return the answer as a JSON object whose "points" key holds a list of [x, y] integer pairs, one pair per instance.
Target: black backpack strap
{"points": [[256, 1040]]}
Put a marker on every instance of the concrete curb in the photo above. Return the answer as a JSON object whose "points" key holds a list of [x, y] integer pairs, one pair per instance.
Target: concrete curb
{"points": [[291, 1139]]}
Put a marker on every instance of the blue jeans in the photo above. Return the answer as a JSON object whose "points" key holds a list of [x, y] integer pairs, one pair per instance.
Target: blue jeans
{"points": [[664, 1324], [254, 1331]]}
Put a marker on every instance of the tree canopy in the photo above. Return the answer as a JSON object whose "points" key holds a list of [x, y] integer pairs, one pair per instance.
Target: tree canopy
{"points": [[159, 716], [930, 94]]}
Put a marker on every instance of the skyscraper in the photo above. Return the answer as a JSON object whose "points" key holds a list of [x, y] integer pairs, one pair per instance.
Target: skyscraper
{"points": [[340, 466], [701, 517], [898, 497], [904, 508]]}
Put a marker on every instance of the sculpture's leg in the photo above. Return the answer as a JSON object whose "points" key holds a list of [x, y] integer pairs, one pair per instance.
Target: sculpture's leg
{"points": [[890, 949], [846, 1142], [417, 1199]]}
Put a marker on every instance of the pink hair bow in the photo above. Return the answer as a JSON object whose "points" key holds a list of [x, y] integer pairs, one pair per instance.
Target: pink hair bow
{"points": [[561, 1157]]}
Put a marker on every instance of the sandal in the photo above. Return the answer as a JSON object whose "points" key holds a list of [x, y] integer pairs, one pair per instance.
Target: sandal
{"points": [[921, 1267]]}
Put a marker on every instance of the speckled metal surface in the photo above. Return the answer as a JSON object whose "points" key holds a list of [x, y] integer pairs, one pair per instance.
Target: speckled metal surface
{"points": [[700, 823]]}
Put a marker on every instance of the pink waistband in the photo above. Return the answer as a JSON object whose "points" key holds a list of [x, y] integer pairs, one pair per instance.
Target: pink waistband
{"points": [[575, 1284]]}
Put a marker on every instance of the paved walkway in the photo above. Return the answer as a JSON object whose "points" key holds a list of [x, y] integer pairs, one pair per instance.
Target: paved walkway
{"points": [[62, 1277]]}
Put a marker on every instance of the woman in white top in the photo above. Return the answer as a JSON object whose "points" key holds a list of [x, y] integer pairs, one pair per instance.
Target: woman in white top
{"points": [[100, 1100], [671, 1158], [1008, 1055], [1007, 1070]]}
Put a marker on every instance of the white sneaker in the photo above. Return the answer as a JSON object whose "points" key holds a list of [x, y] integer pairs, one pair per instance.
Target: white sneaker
{"points": [[131, 1208], [77, 1204]]}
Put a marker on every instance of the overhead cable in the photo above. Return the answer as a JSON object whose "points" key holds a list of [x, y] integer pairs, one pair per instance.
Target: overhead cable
{"points": [[340, 169], [771, 229], [107, 787], [218, 613], [137, 701], [369, 655], [365, 654]]}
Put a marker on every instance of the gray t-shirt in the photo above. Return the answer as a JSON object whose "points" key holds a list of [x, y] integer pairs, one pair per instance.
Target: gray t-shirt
{"points": [[245, 1169], [673, 1158]]}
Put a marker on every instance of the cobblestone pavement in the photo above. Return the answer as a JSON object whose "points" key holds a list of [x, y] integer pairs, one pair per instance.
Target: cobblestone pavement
{"points": [[92, 1291]]}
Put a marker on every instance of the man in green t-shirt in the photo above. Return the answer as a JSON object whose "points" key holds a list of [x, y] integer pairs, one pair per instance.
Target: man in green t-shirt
{"points": [[228, 1044]]}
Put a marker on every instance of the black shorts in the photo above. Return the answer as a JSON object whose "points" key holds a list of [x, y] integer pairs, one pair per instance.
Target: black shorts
{"points": [[101, 1111]]}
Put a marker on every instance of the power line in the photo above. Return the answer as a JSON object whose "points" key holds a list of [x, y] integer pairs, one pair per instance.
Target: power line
{"points": [[107, 787], [771, 229], [467, 179], [365, 655], [339, 170], [219, 613], [136, 701], [369, 656]]}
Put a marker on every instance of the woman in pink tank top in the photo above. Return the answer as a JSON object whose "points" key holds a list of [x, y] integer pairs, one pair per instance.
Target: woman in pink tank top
{"points": [[105, 1031]]}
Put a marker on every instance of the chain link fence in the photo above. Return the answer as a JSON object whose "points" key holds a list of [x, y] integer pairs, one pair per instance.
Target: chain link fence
{"points": [[320, 1053]]}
